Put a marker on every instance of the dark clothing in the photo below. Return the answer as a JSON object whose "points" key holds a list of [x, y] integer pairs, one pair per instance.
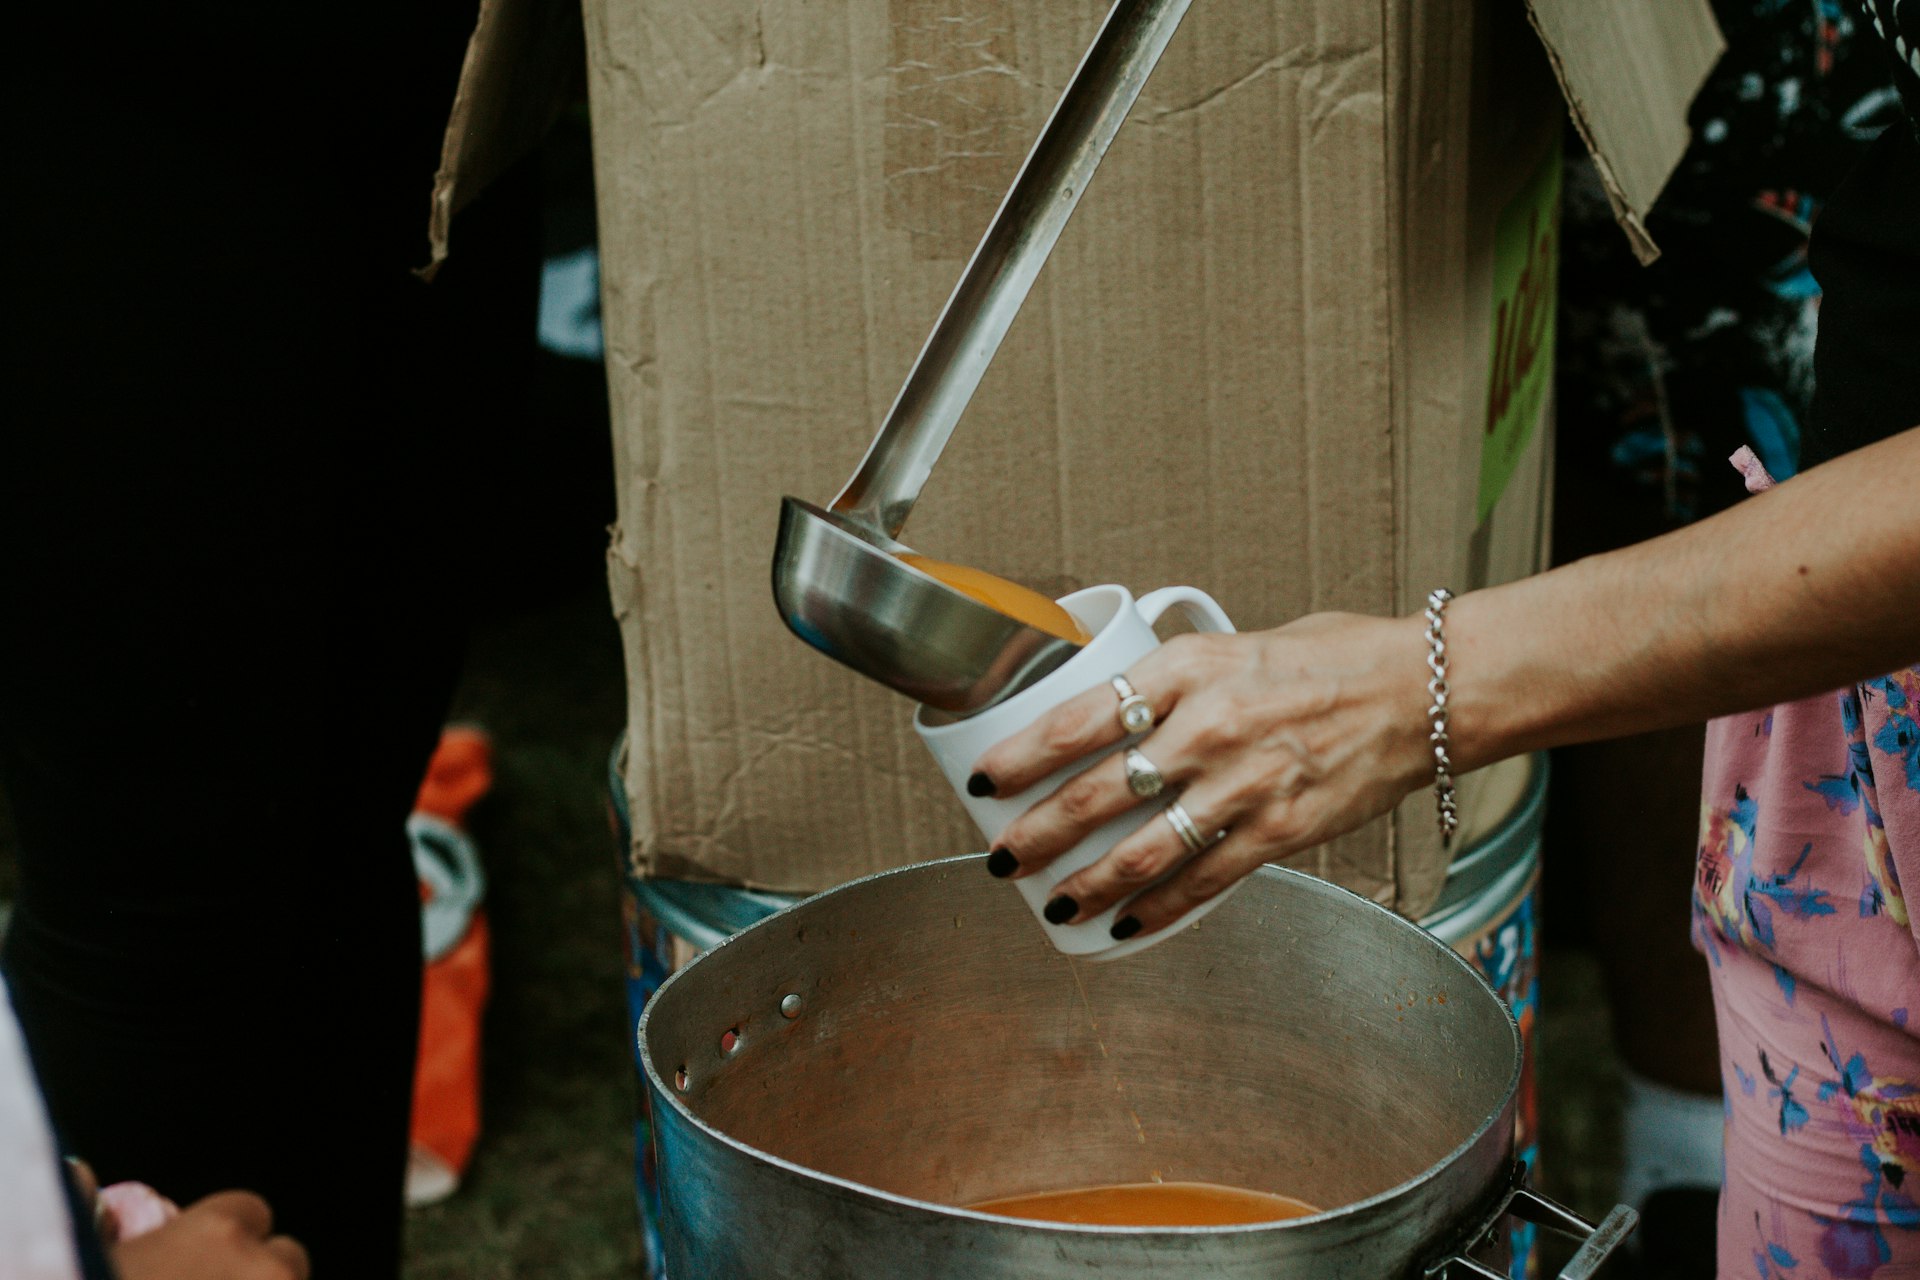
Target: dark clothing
{"points": [[1866, 255], [231, 631], [1666, 370], [1800, 176]]}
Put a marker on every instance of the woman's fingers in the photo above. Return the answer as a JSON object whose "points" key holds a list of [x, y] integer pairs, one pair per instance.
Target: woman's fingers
{"points": [[86, 1183], [1080, 726], [1089, 800], [243, 1208], [291, 1254], [1149, 853], [1204, 877], [1089, 721]]}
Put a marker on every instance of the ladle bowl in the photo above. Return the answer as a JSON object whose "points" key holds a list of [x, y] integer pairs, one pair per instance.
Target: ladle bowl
{"points": [[859, 603]]}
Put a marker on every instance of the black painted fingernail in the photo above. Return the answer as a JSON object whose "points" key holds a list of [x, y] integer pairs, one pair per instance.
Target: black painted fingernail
{"points": [[1060, 910], [1125, 927], [980, 785], [1002, 864]]}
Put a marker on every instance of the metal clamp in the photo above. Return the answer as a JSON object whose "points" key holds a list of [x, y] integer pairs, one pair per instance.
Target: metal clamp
{"points": [[1597, 1243]]}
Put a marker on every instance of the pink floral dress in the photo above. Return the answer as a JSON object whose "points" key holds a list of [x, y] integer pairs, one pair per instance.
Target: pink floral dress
{"points": [[1809, 824]]}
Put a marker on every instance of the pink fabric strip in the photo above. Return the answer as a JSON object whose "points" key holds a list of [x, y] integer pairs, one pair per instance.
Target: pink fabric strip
{"points": [[1748, 464]]}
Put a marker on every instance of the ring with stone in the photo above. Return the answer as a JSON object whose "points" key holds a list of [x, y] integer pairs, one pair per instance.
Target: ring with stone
{"points": [[1144, 778], [1182, 822], [1136, 716]]}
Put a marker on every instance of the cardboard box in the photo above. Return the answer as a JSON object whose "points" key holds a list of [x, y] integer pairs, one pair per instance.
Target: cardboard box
{"points": [[1294, 348]]}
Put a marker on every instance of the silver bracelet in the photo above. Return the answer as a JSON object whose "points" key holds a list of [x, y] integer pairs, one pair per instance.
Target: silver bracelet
{"points": [[1440, 692]]}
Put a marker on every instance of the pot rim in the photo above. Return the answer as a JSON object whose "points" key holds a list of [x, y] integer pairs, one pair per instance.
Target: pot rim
{"points": [[658, 1085]]}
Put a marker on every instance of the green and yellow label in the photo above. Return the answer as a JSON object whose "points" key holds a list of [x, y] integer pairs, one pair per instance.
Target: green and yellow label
{"points": [[1526, 296]]}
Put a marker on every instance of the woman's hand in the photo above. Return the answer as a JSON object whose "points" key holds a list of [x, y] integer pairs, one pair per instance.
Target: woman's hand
{"points": [[1283, 739], [228, 1236]]}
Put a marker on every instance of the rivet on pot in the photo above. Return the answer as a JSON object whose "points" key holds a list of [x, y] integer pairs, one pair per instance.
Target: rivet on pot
{"points": [[729, 1041], [790, 1005], [680, 1079]]}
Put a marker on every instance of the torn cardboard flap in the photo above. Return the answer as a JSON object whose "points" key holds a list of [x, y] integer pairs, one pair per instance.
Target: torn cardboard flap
{"points": [[522, 66], [1630, 70]]}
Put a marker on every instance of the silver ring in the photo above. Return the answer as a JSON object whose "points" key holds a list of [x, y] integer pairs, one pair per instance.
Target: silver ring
{"points": [[1135, 715], [1182, 822], [1144, 779]]}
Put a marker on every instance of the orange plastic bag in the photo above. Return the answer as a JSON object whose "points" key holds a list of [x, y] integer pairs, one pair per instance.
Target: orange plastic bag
{"points": [[446, 1082]]}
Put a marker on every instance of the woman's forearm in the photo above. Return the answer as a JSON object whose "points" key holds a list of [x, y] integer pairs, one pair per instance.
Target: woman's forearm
{"points": [[1283, 739], [1807, 587]]}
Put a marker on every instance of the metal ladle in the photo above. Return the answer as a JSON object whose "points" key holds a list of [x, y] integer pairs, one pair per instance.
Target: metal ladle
{"points": [[836, 575]]}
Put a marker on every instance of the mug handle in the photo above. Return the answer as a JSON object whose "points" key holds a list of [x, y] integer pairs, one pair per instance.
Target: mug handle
{"points": [[1199, 608]]}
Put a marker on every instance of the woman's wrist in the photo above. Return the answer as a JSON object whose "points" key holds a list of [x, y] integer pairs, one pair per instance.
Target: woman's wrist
{"points": [[1495, 709], [1402, 664]]}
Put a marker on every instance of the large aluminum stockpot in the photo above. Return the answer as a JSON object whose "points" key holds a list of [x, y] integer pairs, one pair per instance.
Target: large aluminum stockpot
{"points": [[830, 1084]]}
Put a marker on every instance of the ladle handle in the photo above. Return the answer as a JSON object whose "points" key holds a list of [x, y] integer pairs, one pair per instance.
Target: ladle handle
{"points": [[1009, 257]]}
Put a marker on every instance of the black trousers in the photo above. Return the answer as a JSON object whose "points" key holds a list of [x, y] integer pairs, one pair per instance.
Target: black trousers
{"points": [[235, 487]]}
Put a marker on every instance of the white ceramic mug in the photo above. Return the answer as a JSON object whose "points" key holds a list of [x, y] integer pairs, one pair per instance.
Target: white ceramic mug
{"points": [[1122, 630]]}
